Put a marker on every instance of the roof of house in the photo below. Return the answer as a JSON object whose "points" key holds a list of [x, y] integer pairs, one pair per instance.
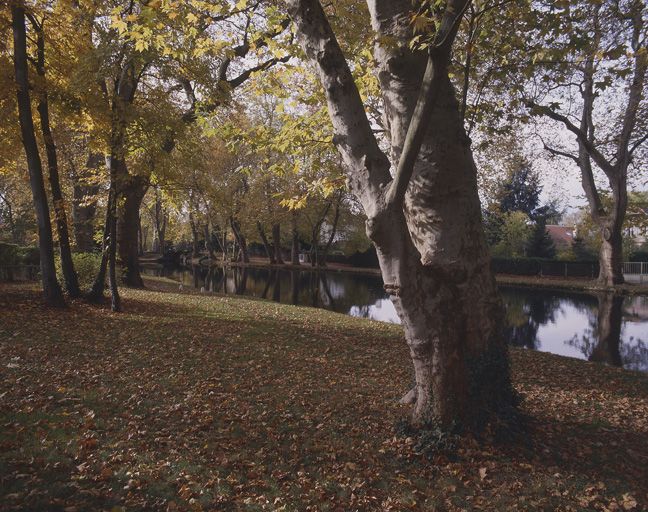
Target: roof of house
{"points": [[561, 235]]}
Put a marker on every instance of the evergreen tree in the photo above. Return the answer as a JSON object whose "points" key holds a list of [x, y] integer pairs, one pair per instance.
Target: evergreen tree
{"points": [[521, 191], [540, 244]]}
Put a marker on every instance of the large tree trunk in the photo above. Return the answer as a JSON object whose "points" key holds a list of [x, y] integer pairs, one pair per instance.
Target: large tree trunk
{"points": [[432, 252], [608, 330], [611, 257], [132, 189], [84, 204], [67, 265], [51, 289], [276, 242], [268, 249]]}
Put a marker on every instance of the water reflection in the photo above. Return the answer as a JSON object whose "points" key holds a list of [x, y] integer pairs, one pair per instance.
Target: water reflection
{"points": [[606, 328]]}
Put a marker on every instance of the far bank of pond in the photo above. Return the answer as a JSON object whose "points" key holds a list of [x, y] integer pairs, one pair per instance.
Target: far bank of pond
{"points": [[603, 327]]}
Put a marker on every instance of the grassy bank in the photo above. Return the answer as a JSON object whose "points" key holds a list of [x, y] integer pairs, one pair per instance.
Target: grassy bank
{"points": [[188, 402]]}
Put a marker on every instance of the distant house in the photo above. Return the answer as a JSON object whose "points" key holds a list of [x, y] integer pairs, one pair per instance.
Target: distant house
{"points": [[561, 236]]}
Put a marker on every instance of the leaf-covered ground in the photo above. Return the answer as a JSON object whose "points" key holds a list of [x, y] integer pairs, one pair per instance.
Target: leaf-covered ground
{"points": [[189, 402]]}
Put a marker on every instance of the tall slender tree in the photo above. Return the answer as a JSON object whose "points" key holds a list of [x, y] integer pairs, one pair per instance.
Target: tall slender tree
{"points": [[67, 265], [51, 288]]}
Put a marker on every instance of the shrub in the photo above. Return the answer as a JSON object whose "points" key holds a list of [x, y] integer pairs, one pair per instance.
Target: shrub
{"points": [[29, 255], [8, 254], [86, 265]]}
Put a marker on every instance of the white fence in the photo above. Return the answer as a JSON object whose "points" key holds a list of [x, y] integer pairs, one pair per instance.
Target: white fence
{"points": [[635, 271]]}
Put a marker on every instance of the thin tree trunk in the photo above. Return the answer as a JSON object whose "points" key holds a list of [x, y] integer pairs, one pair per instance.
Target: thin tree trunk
{"points": [[276, 242], [336, 217], [99, 284], [269, 250], [294, 250], [194, 236], [51, 289], [67, 265]]}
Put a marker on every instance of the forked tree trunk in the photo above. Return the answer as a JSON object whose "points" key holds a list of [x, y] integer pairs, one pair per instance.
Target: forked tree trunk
{"points": [[431, 248], [67, 265], [51, 288], [276, 242]]}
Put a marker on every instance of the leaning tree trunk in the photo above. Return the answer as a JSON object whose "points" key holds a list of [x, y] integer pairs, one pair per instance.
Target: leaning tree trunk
{"points": [[132, 189], [431, 247], [268, 249], [608, 329], [51, 288], [67, 265], [240, 240], [276, 242], [99, 284]]}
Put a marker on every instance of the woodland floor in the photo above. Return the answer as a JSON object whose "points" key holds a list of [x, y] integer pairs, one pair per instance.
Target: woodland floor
{"points": [[187, 402]]}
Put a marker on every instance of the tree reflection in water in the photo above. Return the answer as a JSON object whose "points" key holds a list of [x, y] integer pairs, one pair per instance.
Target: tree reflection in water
{"points": [[605, 328], [601, 341]]}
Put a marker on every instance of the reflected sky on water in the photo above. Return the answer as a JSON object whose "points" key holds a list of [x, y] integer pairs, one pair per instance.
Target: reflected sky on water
{"points": [[604, 328]]}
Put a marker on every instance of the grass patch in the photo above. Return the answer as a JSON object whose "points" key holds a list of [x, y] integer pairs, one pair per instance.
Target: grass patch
{"points": [[193, 402]]}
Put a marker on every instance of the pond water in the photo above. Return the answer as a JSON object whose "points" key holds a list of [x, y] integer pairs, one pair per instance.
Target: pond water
{"points": [[606, 328]]}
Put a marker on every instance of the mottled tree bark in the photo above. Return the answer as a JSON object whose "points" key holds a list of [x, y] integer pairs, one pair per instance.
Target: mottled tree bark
{"points": [[425, 222], [51, 288]]}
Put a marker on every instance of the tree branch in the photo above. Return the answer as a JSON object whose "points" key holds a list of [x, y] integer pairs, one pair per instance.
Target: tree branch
{"points": [[433, 79], [598, 157], [367, 165]]}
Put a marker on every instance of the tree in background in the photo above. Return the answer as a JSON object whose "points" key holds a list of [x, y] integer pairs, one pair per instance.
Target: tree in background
{"points": [[588, 70]]}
